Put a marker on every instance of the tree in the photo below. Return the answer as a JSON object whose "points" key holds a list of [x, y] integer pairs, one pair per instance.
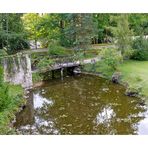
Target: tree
{"points": [[80, 30], [139, 23], [103, 30], [12, 35], [140, 48], [123, 34], [30, 21], [48, 29], [69, 30]]}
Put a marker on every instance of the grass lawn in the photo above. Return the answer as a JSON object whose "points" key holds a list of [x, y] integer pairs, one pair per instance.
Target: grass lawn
{"points": [[136, 73]]}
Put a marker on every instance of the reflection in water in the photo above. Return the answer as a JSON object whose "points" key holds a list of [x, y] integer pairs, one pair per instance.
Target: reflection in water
{"points": [[27, 115], [39, 125], [82, 105], [39, 101], [104, 119], [105, 115], [143, 125]]}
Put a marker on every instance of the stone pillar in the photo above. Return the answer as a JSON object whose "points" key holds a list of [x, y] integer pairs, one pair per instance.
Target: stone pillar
{"points": [[17, 70], [52, 74]]}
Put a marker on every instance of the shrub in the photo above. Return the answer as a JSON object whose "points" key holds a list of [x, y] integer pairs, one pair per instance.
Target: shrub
{"points": [[44, 63], [1, 76], [37, 77], [3, 53], [10, 101], [140, 47], [16, 42], [57, 50], [111, 57]]}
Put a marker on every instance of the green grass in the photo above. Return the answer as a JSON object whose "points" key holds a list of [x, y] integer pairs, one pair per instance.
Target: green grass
{"points": [[15, 90], [103, 44], [99, 67], [136, 73], [11, 100]]}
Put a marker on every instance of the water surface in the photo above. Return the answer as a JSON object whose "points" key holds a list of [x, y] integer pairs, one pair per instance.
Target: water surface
{"points": [[82, 104]]}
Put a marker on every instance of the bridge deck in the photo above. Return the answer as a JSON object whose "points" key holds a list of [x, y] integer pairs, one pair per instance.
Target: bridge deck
{"points": [[68, 64]]}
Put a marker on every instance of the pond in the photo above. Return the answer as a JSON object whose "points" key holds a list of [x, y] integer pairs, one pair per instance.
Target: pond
{"points": [[82, 104]]}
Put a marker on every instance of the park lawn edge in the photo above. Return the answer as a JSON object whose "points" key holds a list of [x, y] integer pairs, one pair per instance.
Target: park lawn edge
{"points": [[105, 72]]}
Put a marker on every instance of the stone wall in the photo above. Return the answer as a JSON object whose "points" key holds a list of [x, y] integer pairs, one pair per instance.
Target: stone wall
{"points": [[17, 70]]}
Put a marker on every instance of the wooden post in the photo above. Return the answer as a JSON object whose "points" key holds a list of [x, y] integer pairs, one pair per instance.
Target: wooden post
{"points": [[52, 74], [62, 73]]}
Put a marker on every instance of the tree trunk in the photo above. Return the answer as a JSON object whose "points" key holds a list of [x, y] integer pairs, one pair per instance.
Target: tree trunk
{"points": [[7, 30], [36, 44]]}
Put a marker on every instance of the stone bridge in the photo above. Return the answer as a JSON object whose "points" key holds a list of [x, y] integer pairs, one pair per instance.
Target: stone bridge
{"points": [[18, 69]]}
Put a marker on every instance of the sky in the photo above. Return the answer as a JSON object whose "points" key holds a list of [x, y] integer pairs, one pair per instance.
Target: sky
{"points": [[61, 6]]}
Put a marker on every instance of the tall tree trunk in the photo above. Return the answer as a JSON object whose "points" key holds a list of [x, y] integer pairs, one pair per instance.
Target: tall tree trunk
{"points": [[36, 47], [7, 29]]}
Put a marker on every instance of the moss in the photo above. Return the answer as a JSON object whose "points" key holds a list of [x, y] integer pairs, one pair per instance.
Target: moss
{"points": [[23, 63], [10, 65]]}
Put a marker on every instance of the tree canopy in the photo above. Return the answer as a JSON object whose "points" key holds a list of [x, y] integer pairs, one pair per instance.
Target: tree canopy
{"points": [[76, 30], [12, 34]]}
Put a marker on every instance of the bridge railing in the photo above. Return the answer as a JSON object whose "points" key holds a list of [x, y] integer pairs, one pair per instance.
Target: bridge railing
{"points": [[66, 59]]}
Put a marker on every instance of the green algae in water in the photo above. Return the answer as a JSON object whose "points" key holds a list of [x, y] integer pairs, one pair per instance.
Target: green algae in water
{"points": [[82, 105]]}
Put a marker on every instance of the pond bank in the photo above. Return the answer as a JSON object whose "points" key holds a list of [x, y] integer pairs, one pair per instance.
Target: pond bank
{"points": [[133, 75], [91, 69], [136, 74]]}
